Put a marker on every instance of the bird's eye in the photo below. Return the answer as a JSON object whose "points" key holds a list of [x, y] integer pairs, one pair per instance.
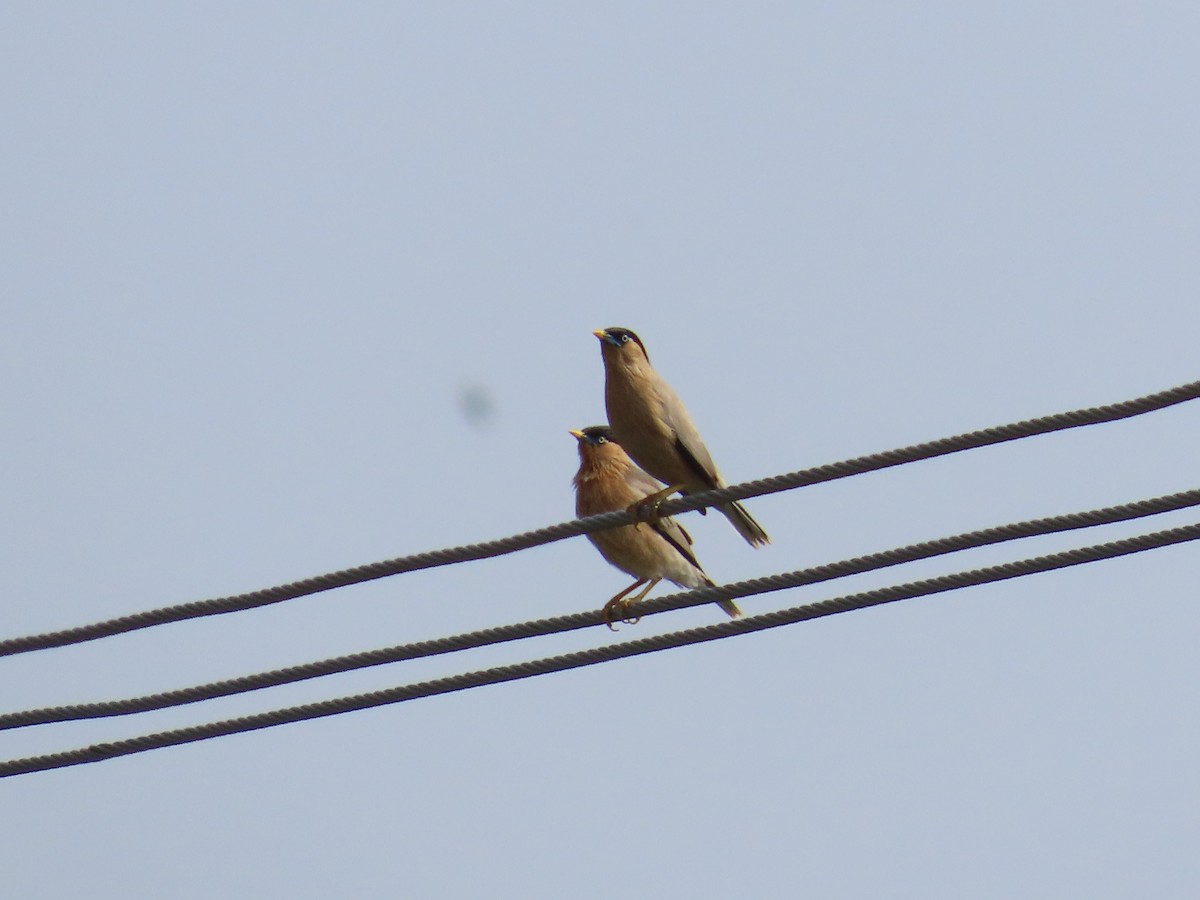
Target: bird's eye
{"points": [[624, 339], [601, 440]]}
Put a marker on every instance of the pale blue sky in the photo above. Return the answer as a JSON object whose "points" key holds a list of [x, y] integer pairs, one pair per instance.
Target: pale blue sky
{"points": [[253, 255]]}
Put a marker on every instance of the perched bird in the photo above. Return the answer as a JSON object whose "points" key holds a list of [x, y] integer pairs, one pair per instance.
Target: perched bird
{"points": [[607, 481], [652, 424]]}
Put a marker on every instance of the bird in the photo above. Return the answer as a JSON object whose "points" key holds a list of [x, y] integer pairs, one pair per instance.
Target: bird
{"points": [[653, 426], [607, 481]]}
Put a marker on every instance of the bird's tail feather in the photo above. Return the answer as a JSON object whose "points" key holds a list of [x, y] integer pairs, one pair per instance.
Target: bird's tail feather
{"points": [[745, 524], [731, 609]]}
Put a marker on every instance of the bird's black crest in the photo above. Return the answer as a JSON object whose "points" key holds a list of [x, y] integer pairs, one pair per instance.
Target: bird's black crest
{"points": [[594, 434], [618, 336]]}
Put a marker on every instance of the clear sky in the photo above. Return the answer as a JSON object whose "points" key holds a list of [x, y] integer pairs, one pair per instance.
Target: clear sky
{"points": [[289, 287]]}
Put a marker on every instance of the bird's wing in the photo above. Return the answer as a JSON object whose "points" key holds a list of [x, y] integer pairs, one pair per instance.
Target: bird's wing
{"points": [[642, 483], [687, 439], [706, 473], [674, 534]]}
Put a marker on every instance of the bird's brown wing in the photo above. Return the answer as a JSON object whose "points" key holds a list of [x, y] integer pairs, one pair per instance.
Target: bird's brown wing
{"points": [[674, 535], [688, 443], [642, 484], [706, 474]]}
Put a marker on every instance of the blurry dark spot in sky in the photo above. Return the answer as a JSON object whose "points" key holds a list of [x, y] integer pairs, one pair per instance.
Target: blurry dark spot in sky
{"points": [[476, 404]]}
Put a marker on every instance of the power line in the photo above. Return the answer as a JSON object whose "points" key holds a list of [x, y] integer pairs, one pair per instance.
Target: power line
{"points": [[595, 656], [558, 624], [470, 552]]}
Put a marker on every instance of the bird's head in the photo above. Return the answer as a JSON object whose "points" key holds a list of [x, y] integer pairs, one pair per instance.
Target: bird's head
{"points": [[621, 344], [596, 442]]}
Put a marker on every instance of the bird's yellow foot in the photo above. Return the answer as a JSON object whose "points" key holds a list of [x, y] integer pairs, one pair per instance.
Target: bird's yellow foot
{"points": [[618, 607], [617, 610]]}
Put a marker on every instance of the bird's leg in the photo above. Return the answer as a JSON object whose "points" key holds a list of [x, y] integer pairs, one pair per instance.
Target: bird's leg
{"points": [[646, 509], [615, 608], [616, 605]]}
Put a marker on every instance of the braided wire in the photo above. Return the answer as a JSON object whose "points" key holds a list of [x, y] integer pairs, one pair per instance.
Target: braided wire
{"points": [[597, 655], [469, 552], [591, 618]]}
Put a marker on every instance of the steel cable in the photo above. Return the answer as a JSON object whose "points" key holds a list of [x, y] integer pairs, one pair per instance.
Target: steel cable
{"points": [[469, 552], [597, 655], [559, 624]]}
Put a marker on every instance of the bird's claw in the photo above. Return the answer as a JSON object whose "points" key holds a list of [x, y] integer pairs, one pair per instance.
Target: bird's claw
{"points": [[617, 610], [646, 510]]}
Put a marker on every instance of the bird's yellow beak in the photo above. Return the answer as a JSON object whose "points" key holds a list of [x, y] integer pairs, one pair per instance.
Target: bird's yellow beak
{"points": [[599, 332], [578, 435]]}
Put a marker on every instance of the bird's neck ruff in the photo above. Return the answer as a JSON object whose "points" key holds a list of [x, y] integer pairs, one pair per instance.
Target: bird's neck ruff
{"points": [[601, 469]]}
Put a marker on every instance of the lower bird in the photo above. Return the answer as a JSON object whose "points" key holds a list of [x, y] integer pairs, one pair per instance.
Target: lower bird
{"points": [[607, 481]]}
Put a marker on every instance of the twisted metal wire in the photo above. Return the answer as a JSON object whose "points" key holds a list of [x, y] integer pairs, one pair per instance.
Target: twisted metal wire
{"points": [[591, 618], [469, 552], [597, 655]]}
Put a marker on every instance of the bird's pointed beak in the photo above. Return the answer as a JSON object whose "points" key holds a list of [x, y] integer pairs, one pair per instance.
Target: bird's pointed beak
{"points": [[578, 435], [599, 332]]}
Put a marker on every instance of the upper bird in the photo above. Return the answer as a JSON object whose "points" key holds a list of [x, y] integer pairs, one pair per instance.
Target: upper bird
{"points": [[607, 481], [652, 424]]}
